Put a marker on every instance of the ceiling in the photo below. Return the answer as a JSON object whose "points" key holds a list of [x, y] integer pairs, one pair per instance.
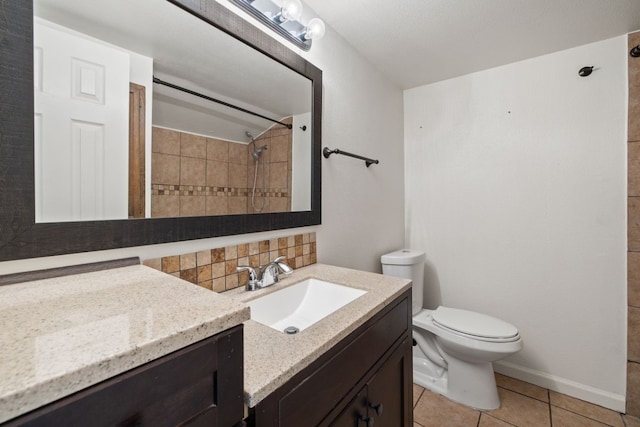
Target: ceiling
{"points": [[197, 57], [417, 42]]}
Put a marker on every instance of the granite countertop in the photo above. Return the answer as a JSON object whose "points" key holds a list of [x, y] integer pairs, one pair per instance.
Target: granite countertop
{"points": [[62, 335], [272, 357]]}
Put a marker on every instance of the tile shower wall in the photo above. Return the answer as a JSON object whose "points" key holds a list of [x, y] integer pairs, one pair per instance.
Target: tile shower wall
{"points": [[215, 268], [194, 175], [633, 262]]}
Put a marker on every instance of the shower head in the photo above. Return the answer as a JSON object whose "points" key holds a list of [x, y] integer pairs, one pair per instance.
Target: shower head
{"points": [[257, 152], [249, 135]]}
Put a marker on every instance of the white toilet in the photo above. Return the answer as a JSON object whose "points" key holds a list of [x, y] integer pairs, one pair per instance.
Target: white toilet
{"points": [[453, 349]]}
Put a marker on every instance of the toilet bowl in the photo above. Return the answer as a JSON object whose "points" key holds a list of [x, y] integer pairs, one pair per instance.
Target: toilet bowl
{"points": [[453, 349]]}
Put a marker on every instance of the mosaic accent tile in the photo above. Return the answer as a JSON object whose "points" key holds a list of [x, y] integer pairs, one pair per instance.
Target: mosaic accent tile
{"points": [[215, 269]]}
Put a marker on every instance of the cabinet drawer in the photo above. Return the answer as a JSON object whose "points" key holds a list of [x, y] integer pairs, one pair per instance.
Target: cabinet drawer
{"points": [[183, 388], [310, 401]]}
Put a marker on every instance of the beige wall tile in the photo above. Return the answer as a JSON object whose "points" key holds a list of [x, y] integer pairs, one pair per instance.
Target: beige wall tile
{"points": [[278, 175], [279, 204], [165, 141], [204, 273], [187, 261], [218, 284], [237, 205], [633, 277], [165, 206], [231, 281], [165, 169], [264, 246], [203, 258], [217, 150], [254, 248], [193, 171], [633, 389], [155, 263], [207, 284], [634, 113], [633, 229], [238, 175], [218, 270], [217, 205], [217, 255], [633, 171], [633, 335], [217, 173], [243, 250], [189, 275], [231, 252], [230, 267], [264, 258], [193, 206], [634, 63], [280, 147], [193, 146], [254, 260], [238, 153], [171, 264], [283, 243]]}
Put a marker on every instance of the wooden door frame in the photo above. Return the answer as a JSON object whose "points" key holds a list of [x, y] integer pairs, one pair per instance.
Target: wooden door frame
{"points": [[137, 105]]}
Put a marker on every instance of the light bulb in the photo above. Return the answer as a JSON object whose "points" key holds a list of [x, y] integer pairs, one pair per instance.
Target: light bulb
{"points": [[291, 10], [315, 29]]}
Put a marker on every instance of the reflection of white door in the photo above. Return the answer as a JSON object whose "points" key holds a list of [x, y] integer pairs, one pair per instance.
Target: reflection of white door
{"points": [[81, 127]]}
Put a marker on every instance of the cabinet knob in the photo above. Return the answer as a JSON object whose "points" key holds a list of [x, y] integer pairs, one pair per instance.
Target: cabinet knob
{"points": [[376, 407], [368, 421]]}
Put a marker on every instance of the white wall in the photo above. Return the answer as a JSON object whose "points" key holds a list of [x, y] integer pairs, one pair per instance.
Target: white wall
{"points": [[362, 208], [301, 147], [516, 189]]}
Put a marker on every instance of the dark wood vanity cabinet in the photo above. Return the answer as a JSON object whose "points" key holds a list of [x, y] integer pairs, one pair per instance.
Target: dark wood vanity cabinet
{"points": [[364, 380], [199, 385]]}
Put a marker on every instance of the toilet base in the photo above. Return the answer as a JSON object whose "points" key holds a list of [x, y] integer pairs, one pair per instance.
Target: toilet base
{"points": [[472, 384]]}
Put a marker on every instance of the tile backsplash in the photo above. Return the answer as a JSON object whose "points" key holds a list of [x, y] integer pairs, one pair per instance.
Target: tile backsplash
{"points": [[215, 268]]}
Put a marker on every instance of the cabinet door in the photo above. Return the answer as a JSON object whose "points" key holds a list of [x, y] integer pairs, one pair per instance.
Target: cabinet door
{"points": [[354, 414], [390, 391]]}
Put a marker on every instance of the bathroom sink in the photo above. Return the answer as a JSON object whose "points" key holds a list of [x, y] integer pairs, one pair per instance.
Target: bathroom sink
{"points": [[299, 306]]}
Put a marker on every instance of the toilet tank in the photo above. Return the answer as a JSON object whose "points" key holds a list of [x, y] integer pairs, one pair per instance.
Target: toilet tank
{"points": [[408, 264]]}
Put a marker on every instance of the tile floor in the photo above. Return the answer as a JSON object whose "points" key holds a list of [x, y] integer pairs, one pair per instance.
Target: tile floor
{"points": [[522, 404]]}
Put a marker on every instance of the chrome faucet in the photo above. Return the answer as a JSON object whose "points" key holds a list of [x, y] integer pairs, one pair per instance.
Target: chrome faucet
{"points": [[267, 275]]}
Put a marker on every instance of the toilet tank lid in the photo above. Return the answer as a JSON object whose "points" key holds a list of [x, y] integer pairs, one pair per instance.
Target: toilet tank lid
{"points": [[403, 257]]}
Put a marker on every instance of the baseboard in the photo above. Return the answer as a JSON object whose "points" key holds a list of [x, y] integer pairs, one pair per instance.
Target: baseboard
{"points": [[562, 385]]}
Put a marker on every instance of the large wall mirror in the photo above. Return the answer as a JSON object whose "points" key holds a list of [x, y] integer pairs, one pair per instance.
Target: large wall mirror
{"points": [[133, 123]]}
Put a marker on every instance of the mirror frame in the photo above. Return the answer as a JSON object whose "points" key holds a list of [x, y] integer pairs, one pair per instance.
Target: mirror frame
{"points": [[21, 237]]}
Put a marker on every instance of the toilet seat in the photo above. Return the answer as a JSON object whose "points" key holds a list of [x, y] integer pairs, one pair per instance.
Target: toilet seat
{"points": [[474, 325]]}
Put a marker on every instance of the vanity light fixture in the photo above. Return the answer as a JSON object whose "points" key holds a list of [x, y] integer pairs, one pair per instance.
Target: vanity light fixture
{"points": [[284, 19]]}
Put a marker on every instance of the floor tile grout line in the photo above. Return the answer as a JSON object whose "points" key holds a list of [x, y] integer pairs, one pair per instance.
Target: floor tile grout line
{"points": [[547, 402]]}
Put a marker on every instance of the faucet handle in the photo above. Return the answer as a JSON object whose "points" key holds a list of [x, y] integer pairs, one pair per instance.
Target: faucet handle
{"points": [[253, 277]]}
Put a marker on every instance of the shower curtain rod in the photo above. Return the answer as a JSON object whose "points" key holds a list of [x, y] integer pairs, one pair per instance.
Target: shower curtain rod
{"points": [[226, 104]]}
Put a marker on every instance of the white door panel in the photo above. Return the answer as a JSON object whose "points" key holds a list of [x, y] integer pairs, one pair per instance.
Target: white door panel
{"points": [[81, 119]]}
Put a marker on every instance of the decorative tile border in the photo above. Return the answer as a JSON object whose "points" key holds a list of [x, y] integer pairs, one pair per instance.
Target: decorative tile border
{"points": [[215, 268], [200, 190]]}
